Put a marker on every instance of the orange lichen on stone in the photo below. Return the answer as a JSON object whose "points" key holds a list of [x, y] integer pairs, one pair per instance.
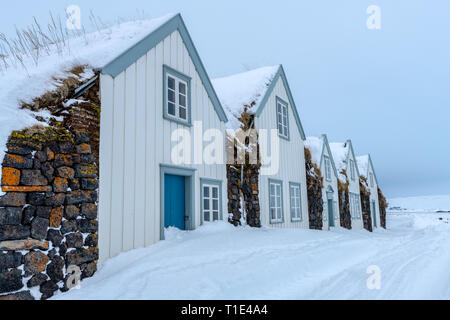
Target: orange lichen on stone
{"points": [[29, 244], [50, 154], [87, 170], [10, 177], [15, 158], [60, 184], [84, 148], [26, 189], [64, 159], [56, 217]]}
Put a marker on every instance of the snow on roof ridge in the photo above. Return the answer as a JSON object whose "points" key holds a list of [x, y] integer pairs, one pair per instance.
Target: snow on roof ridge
{"points": [[236, 91], [363, 164], [339, 150], [315, 145], [94, 49]]}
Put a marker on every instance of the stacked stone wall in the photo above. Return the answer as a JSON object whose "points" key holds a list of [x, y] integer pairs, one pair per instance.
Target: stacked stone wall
{"points": [[48, 215]]}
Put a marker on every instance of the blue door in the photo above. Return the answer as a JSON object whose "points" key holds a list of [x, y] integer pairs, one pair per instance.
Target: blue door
{"points": [[174, 201]]}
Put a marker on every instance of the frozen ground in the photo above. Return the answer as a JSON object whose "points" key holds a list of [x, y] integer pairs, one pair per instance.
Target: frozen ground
{"points": [[220, 262]]}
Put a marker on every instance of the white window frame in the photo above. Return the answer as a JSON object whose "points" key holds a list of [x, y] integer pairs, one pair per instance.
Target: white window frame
{"points": [[276, 201], [282, 118], [355, 206], [177, 93], [295, 201], [352, 169], [209, 199], [179, 79], [327, 168]]}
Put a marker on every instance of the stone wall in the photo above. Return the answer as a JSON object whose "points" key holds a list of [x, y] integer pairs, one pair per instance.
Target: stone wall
{"points": [[314, 182], [344, 204], [48, 214], [243, 174], [383, 206], [365, 204], [234, 195]]}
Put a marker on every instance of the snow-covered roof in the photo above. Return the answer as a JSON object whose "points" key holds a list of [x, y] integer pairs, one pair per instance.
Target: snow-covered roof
{"points": [[315, 146], [108, 50], [340, 152], [243, 89], [94, 49], [363, 164]]}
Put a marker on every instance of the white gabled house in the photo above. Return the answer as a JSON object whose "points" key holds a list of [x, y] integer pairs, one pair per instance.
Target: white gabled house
{"points": [[367, 171], [322, 156], [345, 161], [152, 89], [282, 188]]}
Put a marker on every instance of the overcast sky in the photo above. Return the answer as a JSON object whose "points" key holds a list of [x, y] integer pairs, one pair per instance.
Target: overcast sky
{"points": [[388, 90]]}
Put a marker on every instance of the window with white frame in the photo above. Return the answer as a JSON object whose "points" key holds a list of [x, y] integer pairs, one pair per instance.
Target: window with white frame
{"points": [[296, 207], [327, 168], [275, 201], [282, 118], [211, 202], [352, 169], [355, 207], [371, 180], [176, 96]]}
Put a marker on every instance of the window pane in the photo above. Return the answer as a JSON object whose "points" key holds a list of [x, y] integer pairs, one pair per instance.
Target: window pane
{"points": [[171, 109], [286, 131], [272, 214], [182, 87], [215, 215], [215, 204], [206, 192], [206, 204], [215, 193], [207, 216], [171, 83], [183, 114], [171, 95], [182, 100], [279, 213]]}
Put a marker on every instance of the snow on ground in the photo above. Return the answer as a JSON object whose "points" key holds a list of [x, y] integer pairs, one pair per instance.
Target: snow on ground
{"points": [[426, 203], [218, 261]]}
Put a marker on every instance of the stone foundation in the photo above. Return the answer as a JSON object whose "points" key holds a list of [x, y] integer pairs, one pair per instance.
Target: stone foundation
{"points": [[365, 204], [314, 182], [383, 206], [48, 215], [344, 205]]}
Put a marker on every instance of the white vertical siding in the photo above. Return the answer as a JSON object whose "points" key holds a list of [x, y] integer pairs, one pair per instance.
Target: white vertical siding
{"points": [[374, 197], [353, 187], [292, 163], [334, 184], [136, 140]]}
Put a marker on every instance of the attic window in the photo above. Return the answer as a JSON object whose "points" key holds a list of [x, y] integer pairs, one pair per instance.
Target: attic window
{"points": [[282, 118], [177, 96], [371, 180], [352, 170], [327, 168]]}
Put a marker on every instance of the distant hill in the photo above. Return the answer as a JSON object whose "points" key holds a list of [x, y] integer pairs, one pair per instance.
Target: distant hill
{"points": [[423, 203]]}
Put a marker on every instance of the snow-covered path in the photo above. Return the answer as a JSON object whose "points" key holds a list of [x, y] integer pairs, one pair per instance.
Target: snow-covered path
{"points": [[220, 262]]}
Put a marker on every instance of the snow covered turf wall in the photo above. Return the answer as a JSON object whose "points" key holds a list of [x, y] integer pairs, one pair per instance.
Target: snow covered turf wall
{"points": [[48, 213]]}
